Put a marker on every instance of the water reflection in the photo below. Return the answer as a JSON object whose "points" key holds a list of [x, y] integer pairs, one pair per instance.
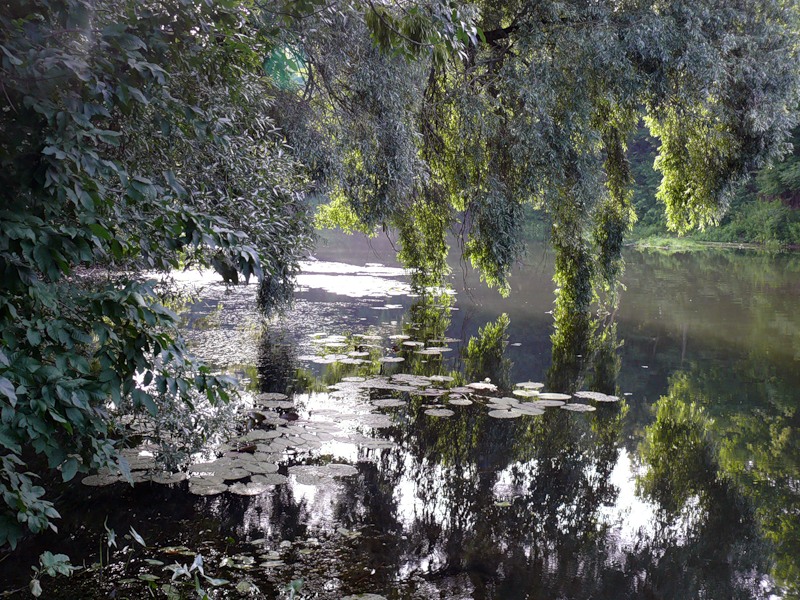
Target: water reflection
{"points": [[537, 506]]}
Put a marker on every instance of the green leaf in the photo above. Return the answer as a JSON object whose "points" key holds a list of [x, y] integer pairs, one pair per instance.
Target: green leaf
{"points": [[69, 468], [137, 95], [7, 389], [8, 441], [144, 399], [174, 183], [100, 231], [34, 337]]}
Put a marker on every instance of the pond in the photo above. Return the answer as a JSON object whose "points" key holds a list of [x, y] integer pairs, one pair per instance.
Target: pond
{"points": [[403, 446]]}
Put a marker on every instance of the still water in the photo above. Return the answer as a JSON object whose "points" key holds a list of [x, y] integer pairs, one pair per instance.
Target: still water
{"points": [[389, 482]]}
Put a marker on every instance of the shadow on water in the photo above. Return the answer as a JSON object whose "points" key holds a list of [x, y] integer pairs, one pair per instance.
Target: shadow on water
{"points": [[697, 497]]}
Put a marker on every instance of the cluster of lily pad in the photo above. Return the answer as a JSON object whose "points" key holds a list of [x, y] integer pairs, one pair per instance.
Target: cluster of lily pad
{"points": [[249, 464], [528, 398], [336, 348]]}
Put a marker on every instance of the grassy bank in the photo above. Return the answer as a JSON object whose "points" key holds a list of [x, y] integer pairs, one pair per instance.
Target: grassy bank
{"points": [[685, 244]]}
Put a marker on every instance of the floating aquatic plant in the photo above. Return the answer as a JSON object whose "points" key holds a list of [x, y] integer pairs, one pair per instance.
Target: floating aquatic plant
{"points": [[439, 412], [530, 385], [596, 396], [505, 414], [554, 396]]}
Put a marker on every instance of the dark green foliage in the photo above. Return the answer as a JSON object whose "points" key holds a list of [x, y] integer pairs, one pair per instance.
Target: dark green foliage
{"points": [[767, 222], [642, 151], [132, 136]]}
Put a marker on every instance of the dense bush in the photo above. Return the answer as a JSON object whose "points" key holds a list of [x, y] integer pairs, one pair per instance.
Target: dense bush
{"points": [[133, 136]]}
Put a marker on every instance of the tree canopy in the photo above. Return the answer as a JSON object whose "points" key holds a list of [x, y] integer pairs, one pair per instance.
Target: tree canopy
{"points": [[536, 107]]}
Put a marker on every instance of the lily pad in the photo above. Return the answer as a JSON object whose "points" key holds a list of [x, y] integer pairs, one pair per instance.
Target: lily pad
{"points": [[554, 396], [167, 478], [415, 380], [101, 479], [430, 393], [439, 412], [483, 385], [388, 403], [596, 396], [461, 390], [275, 403], [547, 403], [525, 393], [260, 468], [505, 401], [260, 434], [233, 474], [505, 414], [272, 396], [458, 401], [527, 409], [391, 359], [199, 489], [530, 385], [269, 479], [249, 489], [377, 421], [364, 597], [577, 407]]}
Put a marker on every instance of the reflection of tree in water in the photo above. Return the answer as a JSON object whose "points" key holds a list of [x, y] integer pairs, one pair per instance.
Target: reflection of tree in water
{"points": [[277, 358], [515, 509], [597, 364], [708, 473], [540, 526], [484, 355]]}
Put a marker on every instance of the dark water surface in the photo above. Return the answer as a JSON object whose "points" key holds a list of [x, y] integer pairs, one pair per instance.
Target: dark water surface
{"points": [[688, 487]]}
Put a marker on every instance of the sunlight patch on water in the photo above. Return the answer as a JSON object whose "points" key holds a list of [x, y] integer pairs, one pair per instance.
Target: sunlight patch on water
{"points": [[631, 515], [353, 281]]}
